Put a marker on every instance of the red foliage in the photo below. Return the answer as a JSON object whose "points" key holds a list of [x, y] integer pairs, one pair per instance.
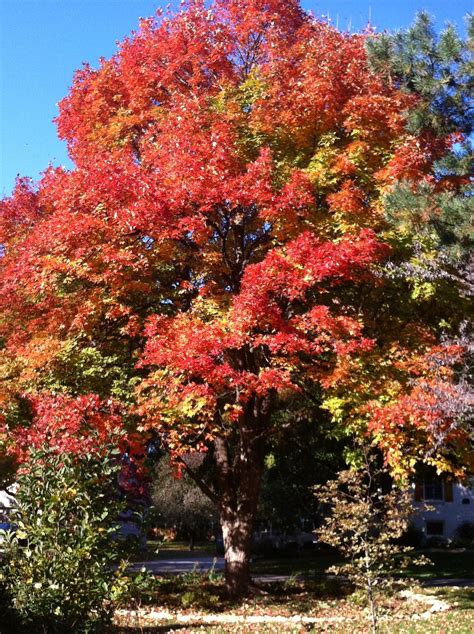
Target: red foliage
{"points": [[195, 232], [67, 424], [428, 414]]}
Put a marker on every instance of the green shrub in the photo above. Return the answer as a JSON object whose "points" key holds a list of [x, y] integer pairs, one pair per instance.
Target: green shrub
{"points": [[465, 533], [8, 618], [412, 537], [58, 566]]}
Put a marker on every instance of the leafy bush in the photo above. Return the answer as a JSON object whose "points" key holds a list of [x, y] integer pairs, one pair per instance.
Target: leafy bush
{"points": [[436, 541], [58, 563], [132, 592], [465, 533], [412, 537], [364, 524]]}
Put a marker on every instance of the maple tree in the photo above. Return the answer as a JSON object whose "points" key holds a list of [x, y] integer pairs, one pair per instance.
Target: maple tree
{"points": [[214, 250]]}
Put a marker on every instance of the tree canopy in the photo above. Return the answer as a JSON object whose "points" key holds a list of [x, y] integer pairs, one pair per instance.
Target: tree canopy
{"points": [[220, 249]]}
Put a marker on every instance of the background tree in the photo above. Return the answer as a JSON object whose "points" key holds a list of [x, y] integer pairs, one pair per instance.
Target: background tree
{"points": [[414, 394], [181, 504], [436, 213], [432, 219], [214, 250], [301, 454]]}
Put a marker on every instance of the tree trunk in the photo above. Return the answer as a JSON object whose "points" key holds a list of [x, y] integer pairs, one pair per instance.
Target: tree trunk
{"points": [[237, 537], [239, 473]]}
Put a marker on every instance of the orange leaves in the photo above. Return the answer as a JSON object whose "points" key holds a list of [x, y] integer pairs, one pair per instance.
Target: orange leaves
{"points": [[97, 99], [413, 159], [163, 63], [378, 117], [258, 344], [349, 199], [213, 233], [266, 17]]}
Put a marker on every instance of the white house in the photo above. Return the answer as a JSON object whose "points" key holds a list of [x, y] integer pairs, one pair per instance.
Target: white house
{"points": [[7, 502], [451, 504]]}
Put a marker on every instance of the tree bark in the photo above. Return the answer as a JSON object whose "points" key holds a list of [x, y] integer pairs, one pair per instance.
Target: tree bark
{"points": [[239, 475], [237, 535]]}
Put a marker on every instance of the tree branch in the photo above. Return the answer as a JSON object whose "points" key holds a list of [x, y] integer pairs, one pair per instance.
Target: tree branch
{"points": [[200, 483]]}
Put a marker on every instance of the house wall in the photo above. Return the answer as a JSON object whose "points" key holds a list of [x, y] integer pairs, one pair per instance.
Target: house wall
{"points": [[452, 514]]}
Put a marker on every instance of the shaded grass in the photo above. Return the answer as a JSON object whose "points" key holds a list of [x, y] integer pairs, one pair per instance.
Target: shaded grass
{"points": [[446, 565], [312, 564], [307, 564], [157, 550]]}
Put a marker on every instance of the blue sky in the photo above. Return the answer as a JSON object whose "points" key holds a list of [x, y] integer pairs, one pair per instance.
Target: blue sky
{"points": [[42, 42]]}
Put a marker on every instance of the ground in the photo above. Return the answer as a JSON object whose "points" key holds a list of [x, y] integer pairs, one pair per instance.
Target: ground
{"points": [[292, 594], [445, 611]]}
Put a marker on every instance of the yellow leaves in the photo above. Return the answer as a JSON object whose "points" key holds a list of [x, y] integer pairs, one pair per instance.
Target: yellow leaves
{"points": [[191, 406], [320, 168], [167, 398], [445, 466], [270, 461], [232, 99], [336, 406], [344, 223], [357, 133], [423, 290], [70, 494], [209, 308], [235, 103], [253, 87]]}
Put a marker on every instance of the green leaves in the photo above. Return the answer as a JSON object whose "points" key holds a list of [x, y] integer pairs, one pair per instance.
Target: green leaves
{"points": [[58, 564]]}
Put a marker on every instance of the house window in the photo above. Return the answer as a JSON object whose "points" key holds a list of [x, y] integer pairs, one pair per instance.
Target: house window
{"points": [[434, 528], [433, 489]]}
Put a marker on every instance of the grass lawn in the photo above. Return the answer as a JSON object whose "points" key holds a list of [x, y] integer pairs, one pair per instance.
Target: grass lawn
{"points": [[308, 564], [446, 565], [311, 564], [174, 550]]}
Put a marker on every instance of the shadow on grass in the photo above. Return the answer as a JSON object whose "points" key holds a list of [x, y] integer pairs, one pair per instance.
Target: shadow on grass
{"points": [[170, 627], [445, 565], [463, 598]]}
